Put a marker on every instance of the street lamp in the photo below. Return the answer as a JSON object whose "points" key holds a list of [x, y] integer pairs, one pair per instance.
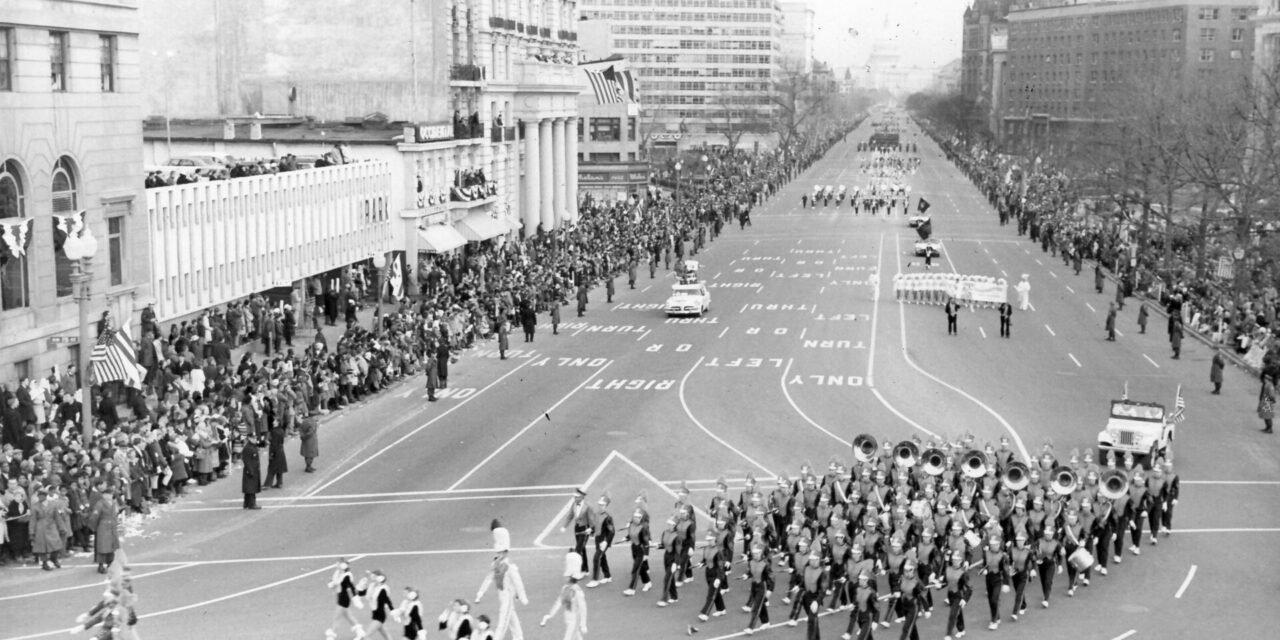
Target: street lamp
{"points": [[379, 263], [679, 170], [80, 250]]}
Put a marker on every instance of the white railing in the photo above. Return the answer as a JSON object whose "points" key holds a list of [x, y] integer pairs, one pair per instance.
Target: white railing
{"points": [[214, 242]]}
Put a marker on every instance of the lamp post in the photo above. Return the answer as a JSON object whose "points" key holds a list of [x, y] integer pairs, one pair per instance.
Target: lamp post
{"points": [[380, 264], [80, 250], [679, 170]]}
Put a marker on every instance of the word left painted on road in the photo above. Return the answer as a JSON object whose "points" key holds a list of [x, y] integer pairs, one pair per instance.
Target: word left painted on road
{"points": [[750, 363], [631, 385]]}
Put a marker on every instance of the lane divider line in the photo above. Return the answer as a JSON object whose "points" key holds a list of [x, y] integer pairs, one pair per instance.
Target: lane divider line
{"points": [[726, 330], [1153, 362], [424, 425], [783, 383], [1050, 330], [541, 416], [1070, 289], [1090, 307], [1073, 359], [875, 316], [1125, 634], [983, 332], [1185, 583], [688, 412]]}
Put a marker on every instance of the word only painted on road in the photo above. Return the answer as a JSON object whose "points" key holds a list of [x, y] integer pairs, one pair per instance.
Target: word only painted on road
{"points": [[749, 363], [826, 381], [571, 362], [631, 385]]}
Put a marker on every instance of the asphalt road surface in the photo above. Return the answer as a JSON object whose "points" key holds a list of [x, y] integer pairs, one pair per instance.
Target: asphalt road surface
{"points": [[797, 355]]}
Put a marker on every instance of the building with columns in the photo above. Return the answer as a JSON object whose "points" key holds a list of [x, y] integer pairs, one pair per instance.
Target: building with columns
{"points": [[70, 141]]}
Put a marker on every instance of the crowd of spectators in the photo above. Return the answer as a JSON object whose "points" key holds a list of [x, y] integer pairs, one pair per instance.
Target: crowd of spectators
{"points": [[241, 169], [200, 403], [1046, 206]]}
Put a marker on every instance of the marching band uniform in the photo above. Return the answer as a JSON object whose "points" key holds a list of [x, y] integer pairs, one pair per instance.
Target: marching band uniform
{"points": [[995, 568], [1171, 496], [1048, 553], [456, 620], [761, 587], [410, 613], [639, 537], [572, 600], [894, 560], [505, 578], [379, 602], [1156, 490], [865, 608], [1138, 498], [1121, 510], [910, 599], [714, 562], [1021, 566], [1072, 541], [813, 586], [672, 549], [956, 582], [347, 593], [604, 539]]}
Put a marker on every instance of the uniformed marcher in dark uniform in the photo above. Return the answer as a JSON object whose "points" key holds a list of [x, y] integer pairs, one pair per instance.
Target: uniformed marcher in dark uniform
{"points": [[600, 573], [956, 582], [1006, 318], [714, 563], [638, 536], [1048, 558], [761, 575], [672, 549]]}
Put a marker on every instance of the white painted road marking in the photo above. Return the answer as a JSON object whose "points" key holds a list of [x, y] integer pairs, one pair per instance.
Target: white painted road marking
{"points": [[688, 412], [541, 416], [1125, 634], [982, 331], [1053, 274], [1070, 289], [1185, 583], [1050, 330], [1090, 307], [726, 330], [1073, 359], [783, 382], [1153, 362]]}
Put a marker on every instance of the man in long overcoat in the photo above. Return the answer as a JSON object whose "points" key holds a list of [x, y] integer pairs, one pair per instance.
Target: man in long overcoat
{"points": [[251, 478], [277, 463], [309, 432], [104, 519]]}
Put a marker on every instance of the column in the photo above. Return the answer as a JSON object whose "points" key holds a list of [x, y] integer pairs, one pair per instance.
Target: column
{"points": [[547, 210], [571, 172], [558, 168], [532, 178]]}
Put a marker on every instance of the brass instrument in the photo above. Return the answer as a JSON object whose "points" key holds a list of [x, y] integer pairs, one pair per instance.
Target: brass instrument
{"points": [[1064, 481], [934, 462], [865, 447], [1017, 477], [973, 463], [906, 454], [1113, 484]]}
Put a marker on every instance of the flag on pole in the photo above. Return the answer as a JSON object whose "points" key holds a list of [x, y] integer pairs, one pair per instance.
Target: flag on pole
{"points": [[1179, 406], [113, 358], [395, 279], [605, 85], [627, 84], [923, 205], [1126, 391]]}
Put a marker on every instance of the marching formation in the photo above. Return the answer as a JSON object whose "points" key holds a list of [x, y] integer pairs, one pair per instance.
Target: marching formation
{"points": [[938, 288], [905, 529]]}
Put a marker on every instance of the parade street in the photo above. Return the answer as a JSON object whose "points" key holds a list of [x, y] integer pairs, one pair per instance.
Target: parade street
{"points": [[797, 356]]}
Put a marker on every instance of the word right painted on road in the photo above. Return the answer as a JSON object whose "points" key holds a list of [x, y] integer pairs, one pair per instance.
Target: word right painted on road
{"points": [[624, 384]]}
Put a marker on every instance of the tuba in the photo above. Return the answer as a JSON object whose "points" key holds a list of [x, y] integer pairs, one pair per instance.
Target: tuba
{"points": [[906, 454], [1016, 477], [865, 447], [934, 462], [1064, 481], [973, 463], [1114, 484]]}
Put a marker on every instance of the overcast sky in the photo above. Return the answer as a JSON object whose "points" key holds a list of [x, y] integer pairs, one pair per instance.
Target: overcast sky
{"points": [[927, 31]]}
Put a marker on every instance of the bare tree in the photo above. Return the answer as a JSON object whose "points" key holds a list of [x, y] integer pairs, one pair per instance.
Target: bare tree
{"points": [[799, 99]]}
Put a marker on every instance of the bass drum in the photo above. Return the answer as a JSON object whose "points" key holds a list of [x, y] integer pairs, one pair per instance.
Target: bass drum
{"points": [[1081, 560]]}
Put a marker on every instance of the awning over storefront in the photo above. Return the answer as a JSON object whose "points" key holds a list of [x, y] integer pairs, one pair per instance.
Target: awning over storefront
{"points": [[439, 238], [479, 226], [513, 224]]}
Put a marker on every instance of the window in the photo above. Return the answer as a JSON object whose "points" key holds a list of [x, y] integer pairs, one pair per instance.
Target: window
{"points": [[1206, 55], [1177, 35], [13, 272], [107, 63], [1208, 13], [58, 60], [64, 204], [1208, 35], [606, 129], [6, 59], [1236, 54], [1237, 34], [115, 249]]}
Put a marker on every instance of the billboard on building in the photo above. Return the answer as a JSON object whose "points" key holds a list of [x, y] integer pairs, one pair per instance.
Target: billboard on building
{"points": [[999, 37]]}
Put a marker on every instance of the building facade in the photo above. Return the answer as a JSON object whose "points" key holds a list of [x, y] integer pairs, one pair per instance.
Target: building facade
{"points": [[1064, 62], [70, 141], [985, 30], [703, 67], [611, 160], [797, 35], [1267, 37]]}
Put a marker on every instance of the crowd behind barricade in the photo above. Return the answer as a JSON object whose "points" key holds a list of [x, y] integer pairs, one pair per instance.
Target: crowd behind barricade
{"points": [[199, 408], [1045, 206], [229, 169]]}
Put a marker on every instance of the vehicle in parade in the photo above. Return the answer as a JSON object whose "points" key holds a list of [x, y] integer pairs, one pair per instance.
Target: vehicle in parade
{"points": [[917, 219], [928, 246], [1140, 428], [689, 297]]}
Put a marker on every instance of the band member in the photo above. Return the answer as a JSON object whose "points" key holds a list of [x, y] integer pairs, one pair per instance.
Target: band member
{"points": [[892, 564], [910, 599], [761, 576], [1138, 500], [604, 539], [639, 537], [504, 576], [455, 620], [1021, 567], [410, 614], [866, 608], [347, 589], [583, 520], [572, 600], [380, 603], [929, 564], [672, 549], [1171, 496], [813, 586], [1048, 557], [1073, 541], [1103, 531], [716, 566], [995, 567], [956, 582], [1157, 498]]}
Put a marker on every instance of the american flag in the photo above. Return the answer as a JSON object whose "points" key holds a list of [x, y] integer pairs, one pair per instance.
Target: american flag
{"points": [[605, 85], [1179, 407], [113, 358]]}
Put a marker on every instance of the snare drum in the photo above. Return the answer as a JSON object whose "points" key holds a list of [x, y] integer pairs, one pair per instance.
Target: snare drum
{"points": [[1081, 560], [973, 539]]}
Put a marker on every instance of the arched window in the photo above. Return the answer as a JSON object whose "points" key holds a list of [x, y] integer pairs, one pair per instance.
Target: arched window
{"points": [[13, 273], [65, 202]]}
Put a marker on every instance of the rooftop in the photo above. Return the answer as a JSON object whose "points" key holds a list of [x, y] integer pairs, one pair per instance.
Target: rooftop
{"points": [[278, 130]]}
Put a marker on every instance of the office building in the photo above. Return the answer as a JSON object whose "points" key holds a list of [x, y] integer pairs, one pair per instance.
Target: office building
{"points": [[704, 67], [70, 141]]}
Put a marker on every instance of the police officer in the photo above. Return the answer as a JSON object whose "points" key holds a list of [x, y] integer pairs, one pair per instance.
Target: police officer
{"points": [[1006, 316]]}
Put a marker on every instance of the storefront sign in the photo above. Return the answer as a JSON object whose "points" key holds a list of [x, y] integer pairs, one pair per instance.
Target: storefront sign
{"points": [[433, 132]]}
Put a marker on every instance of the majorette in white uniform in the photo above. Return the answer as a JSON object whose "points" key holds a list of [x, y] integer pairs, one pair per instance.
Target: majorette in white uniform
{"points": [[505, 577], [571, 600]]}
